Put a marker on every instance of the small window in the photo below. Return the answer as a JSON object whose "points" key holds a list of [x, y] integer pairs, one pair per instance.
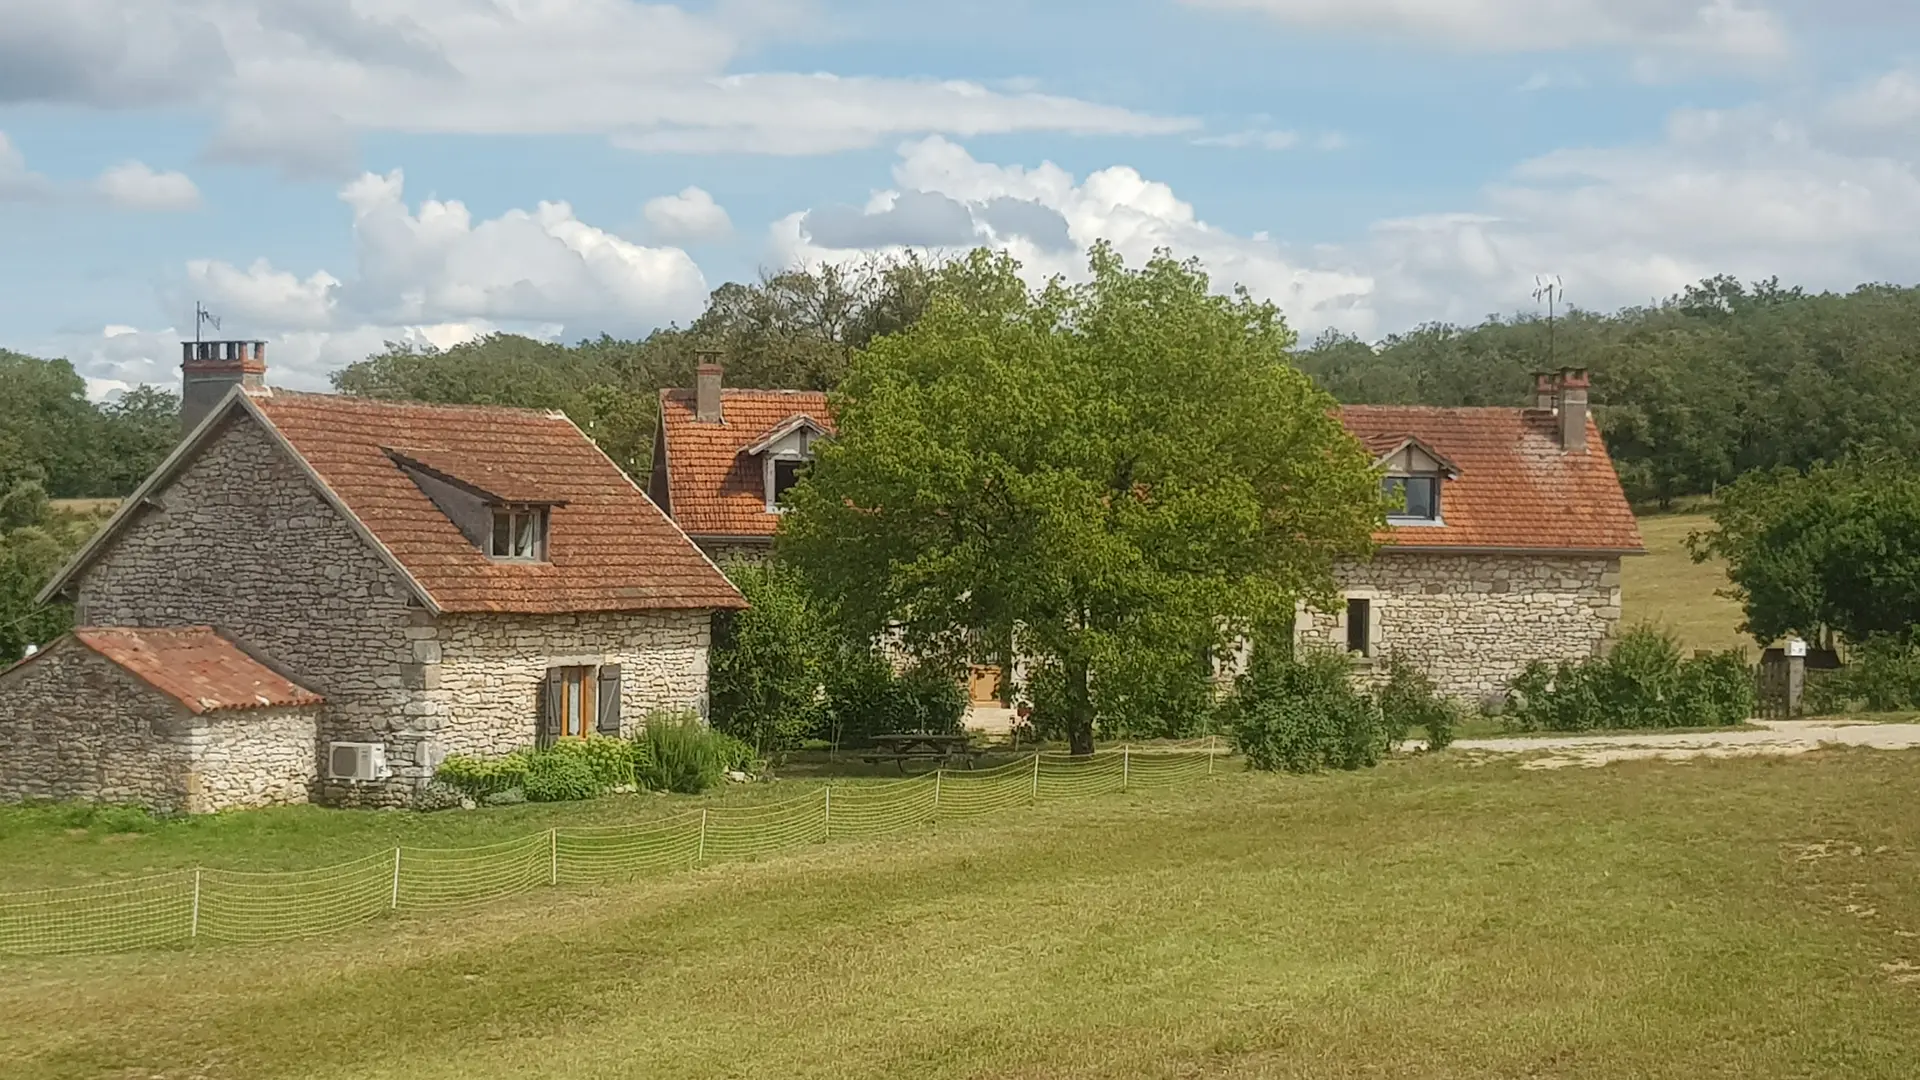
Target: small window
{"points": [[519, 533], [1420, 496], [1360, 625], [786, 473]]}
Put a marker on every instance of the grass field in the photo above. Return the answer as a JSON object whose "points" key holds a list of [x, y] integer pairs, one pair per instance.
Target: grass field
{"points": [[1436, 917], [1667, 588]]}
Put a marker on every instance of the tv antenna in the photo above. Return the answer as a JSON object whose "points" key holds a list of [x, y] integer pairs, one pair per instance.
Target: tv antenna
{"points": [[203, 317], [1550, 291]]}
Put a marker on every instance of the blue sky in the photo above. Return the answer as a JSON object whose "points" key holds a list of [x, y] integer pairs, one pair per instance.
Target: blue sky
{"points": [[331, 174]]}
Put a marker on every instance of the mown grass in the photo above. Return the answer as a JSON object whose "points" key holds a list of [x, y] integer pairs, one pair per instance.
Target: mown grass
{"points": [[1436, 917], [1667, 588]]}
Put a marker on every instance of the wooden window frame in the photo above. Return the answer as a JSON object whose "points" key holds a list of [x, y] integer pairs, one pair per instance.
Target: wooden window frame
{"points": [[521, 522]]}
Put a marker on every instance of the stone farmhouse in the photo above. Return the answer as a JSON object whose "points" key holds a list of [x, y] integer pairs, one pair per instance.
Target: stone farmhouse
{"points": [[1508, 548], [320, 597]]}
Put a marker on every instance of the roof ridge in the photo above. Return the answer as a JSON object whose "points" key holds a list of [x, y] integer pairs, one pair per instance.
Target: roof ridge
{"points": [[277, 393]]}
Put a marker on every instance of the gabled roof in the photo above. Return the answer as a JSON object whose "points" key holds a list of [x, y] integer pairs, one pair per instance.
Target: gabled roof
{"points": [[194, 665], [1510, 486], [797, 422], [715, 487], [1387, 446], [609, 548], [1515, 488]]}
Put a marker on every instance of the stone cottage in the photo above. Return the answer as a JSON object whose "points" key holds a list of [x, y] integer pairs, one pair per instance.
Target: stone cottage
{"points": [[447, 579], [1507, 547], [723, 459], [179, 719]]}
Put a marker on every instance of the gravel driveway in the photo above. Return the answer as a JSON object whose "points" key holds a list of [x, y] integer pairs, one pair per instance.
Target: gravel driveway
{"points": [[1773, 737]]}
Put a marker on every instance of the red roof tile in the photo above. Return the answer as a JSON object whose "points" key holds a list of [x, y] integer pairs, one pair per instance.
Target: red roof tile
{"points": [[714, 489], [1516, 489], [608, 547], [196, 667]]}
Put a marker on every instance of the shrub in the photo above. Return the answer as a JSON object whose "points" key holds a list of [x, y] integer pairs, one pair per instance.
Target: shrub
{"points": [[1641, 683], [770, 660], [510, 797], [1408, 700], [561, 773], [1882, 675], [735, 754], [683, 754], [479, 777], [1303, 714], [866, 697], [611, 759]]}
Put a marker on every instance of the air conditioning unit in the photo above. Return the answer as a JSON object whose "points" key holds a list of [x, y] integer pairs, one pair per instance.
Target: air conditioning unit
{"points": [[357, 761]]}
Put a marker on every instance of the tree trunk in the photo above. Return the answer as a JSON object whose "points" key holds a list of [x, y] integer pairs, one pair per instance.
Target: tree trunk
{"points": [[1079, 707]]}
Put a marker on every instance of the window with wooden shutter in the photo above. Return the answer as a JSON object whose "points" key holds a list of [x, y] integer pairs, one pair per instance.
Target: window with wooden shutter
{"points": [[550, 707], [609, 699]]}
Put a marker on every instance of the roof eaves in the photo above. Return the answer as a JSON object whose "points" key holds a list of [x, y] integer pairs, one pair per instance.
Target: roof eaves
{"points": [[783, 429]]}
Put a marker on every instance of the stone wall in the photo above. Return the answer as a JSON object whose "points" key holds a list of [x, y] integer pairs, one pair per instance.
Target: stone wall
{"points": [[490, 669], [725, 552], [74, 726], [242, 540], [1473, 621], [257, 757]]}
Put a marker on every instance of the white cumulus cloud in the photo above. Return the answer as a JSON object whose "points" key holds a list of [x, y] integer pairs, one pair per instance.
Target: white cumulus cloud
{"points": [[133, 185], [295, 80], [689, 215]]}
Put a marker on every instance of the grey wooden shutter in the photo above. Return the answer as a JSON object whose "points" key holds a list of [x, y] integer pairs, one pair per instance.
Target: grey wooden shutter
{"points": [[550, 707], [609, 699]]}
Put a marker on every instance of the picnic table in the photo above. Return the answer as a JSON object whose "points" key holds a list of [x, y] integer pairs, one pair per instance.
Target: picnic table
{"points": [[902, 747]]}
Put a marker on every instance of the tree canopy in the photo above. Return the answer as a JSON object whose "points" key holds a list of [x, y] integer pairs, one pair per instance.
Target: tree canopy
{"points": [[52, 436], [1105, 478], [1833, 550]]}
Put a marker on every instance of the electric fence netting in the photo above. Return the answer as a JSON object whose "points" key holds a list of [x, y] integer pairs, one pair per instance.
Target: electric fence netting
{"points": [[184, 907]]}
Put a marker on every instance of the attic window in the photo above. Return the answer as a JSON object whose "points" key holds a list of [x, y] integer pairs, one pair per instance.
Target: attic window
{"points": [[1417, 498], [785, 474], [520, 533]]}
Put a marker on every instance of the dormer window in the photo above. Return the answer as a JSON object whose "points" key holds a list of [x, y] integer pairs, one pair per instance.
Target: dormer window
{"points": [[1417, 497], [519, 533], [1411, 485], [784, 451], [785, 474]]}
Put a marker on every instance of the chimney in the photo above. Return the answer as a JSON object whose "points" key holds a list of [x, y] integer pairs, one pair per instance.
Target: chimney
{"points": [[1573, 409], [706, 388], [1544, 390], [208, 369]]}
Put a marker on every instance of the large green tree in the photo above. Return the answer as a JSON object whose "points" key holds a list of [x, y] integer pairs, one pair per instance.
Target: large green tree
{"points": [[1832, 551], [1104, 478]]}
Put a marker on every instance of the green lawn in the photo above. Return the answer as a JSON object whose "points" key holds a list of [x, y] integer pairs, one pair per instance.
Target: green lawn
{"points": [[1436, 917], [1667, 588]]}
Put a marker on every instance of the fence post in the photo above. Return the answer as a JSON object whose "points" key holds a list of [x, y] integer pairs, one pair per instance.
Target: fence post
{"points": [[1036, 777], [1126, 765], [193, 928], [393, 901], [701, 856], [826, 831], [553, 856], [1210, 744], [936, 795]]}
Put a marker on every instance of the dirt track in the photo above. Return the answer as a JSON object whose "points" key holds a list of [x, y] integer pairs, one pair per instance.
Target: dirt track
{"points": [[1774, 737]]}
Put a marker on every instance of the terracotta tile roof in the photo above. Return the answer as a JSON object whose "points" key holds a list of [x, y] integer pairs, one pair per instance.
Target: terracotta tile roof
{"points": [[1516, 489], [609, 548], [195, 666], [712, 488]]}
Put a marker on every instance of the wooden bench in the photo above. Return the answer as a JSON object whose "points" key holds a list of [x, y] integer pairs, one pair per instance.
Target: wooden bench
{"points": [[904, 747]]}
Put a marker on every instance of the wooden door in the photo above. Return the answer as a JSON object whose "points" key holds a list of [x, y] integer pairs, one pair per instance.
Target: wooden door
{"points": [[983, 685]]}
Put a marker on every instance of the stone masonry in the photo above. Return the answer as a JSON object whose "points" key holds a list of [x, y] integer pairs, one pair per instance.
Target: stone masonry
{"points": [[75, 726], [1474, 621], [491, 668], [242, 540]]}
